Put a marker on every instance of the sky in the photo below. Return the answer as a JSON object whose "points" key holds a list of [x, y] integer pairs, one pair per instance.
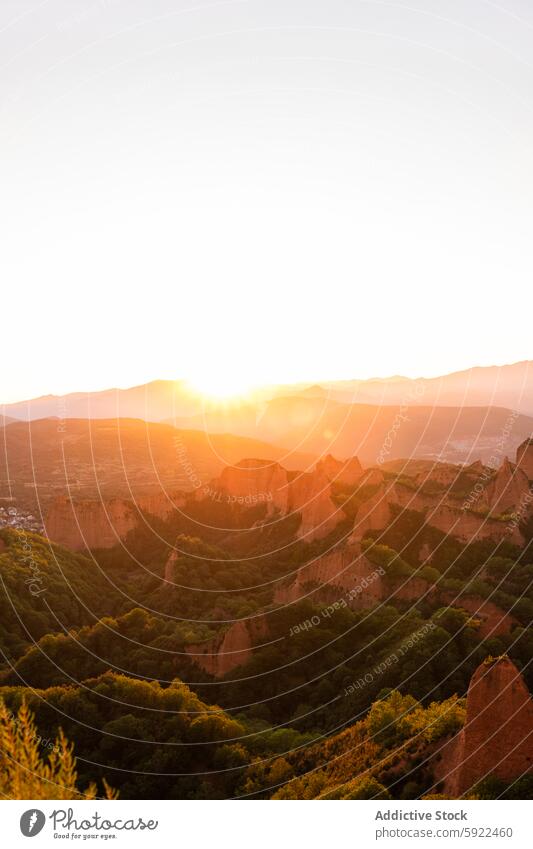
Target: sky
{"points": [[262, 191]]}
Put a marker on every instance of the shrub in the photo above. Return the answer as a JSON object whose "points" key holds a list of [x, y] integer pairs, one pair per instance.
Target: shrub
{"points": [[24, 774]]}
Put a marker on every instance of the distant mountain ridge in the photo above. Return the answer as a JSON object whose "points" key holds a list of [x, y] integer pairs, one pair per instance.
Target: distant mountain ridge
{"points": [[152, 401], [6, 420], [509, 386], [478, 414]]}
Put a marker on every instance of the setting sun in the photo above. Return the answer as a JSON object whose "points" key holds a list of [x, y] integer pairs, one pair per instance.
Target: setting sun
{"points": [[220, 386]]}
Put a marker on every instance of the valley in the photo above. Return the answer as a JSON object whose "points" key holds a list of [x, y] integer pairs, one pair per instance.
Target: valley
{"points": [[331, 628]]}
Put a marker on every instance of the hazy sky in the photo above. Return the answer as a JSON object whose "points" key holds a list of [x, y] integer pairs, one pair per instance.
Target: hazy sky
{"points": [[257, 191]]}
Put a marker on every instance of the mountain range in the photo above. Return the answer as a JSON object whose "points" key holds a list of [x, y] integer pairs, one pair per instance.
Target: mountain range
{"points": [[509, 386], [456, 418]]}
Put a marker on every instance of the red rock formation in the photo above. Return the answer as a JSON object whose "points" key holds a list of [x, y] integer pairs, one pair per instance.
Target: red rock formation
{"points": [[89, 524], [347, 472], [372, 477], [497, 738], [376, 513], [162, 505], [346, 573], [258, 481], [426, 553], [493, 620], [506, 489], [310, 495], [441, 473], [411, 588], [169, 566], [343, 572], [79, 525], [476, 468], [251, 482], [448, 517], [467, 526], [230, 649], [524, 458]]}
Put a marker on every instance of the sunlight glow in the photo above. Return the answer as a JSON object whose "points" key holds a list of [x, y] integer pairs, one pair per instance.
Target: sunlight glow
{"points": [[276, 220], [221, 386]]}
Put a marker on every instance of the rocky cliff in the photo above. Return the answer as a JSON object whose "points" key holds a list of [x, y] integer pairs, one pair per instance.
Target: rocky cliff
{"points": [[230, 649], [492, 620], [80, 525], [446, 515], [377, 512], [101, 524], [310, 495], [444, 474], [468, 526], [347, 472], [524, 458], [257, 481], [344, 572], [497, 738], [251, 482], [507, 489]]}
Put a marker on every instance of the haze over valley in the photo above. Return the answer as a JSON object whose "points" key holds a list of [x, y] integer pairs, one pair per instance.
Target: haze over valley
{"points": [[367, 565]]}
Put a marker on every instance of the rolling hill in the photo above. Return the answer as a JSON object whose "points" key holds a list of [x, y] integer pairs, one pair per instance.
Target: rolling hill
{"points": [[374, 433], [117, 458]]}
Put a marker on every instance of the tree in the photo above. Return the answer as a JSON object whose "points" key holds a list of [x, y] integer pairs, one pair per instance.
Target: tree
{"points": [[24, 774]]}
